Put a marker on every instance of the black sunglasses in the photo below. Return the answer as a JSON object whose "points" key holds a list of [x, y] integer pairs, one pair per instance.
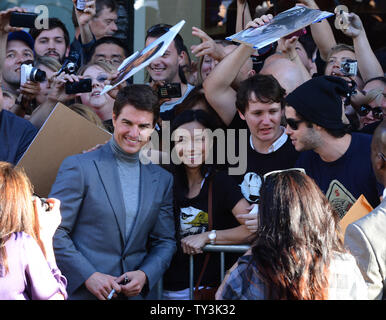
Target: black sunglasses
{"points": [[365, 109], [293, 124]]}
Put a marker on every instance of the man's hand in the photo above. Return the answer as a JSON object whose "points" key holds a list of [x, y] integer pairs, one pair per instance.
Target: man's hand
{"points": [[57, 87], [258, 22], [288, 47], [355, 27], [5, 16], [250, 219], [100, 285], [87, 14], [30, 89], [207, 46], [136, 281]]}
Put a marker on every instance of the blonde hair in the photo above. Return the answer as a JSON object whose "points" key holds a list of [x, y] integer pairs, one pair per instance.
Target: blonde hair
{"points": [[88, 113], [17, 213], [338, 48], [50, 63], [105, 66]]}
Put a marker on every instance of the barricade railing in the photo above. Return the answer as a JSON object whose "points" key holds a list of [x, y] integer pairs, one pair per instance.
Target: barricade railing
{"points": [[222, 249]]}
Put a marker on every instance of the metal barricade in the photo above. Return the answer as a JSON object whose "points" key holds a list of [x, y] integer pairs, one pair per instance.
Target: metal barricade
{"points": [[215, 248], [208, 248]]}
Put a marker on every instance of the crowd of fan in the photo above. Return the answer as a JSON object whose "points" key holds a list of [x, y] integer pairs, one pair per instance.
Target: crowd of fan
{"points": [[307, 139]]}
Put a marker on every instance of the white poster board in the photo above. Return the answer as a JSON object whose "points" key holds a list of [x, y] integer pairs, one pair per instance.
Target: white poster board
{"points": [[283, 24], [139, 60]]}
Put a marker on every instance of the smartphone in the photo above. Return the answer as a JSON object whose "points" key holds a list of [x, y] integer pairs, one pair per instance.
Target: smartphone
{"points": [[84, 85], [170, 90], [23, 19]]}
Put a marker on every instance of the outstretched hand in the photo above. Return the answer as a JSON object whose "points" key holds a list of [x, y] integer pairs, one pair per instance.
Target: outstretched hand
{"points": [[207, 46], [258, 22], [354, 27], [87, 14], [5, 17]]}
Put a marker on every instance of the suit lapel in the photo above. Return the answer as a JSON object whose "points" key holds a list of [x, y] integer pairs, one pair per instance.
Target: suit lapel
{"points": [[108, 172], [148, 186]]}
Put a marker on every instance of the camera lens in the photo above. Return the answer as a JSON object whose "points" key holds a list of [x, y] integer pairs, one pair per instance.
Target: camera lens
{"points": [[71, 67], [37, 75]]}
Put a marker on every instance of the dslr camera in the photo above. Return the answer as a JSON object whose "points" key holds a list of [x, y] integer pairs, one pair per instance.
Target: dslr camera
{"points": [[71, 64], [28, 72], [349, 67]]}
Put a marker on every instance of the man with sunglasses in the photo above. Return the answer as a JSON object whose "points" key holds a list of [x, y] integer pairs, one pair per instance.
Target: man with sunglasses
{"points": [[168, 68], [339, 161], [366, 238]]}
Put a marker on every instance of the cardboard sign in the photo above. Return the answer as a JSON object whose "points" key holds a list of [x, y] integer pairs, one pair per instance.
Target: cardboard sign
{"points": [[64, 133]]}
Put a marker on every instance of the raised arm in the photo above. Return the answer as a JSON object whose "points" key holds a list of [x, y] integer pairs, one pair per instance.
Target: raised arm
{"points": [[368, 63], [84, 17], [5, 28], [217, 86], [321, 32]]}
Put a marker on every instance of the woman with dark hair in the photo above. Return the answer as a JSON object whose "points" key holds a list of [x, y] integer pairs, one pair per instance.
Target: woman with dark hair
{"points": [[194, 177], [297, 252]]}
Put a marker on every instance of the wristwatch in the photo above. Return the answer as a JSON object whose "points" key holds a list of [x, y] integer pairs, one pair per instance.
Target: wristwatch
{"points": [[212, 236]]}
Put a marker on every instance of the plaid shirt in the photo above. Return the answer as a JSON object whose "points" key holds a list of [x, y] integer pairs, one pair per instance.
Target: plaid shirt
{"points": [[345, 282]]}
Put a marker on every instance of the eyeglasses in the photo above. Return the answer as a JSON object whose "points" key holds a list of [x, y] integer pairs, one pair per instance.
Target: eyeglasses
{"points": [[280, 171], [293, 124], [161, 26], [365, 109], [382, 156], [114, 61]]}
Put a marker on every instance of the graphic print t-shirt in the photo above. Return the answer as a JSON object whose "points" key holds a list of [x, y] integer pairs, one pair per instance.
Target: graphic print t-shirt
{"points": [[194, 220], [258, 163], [344, 180]]}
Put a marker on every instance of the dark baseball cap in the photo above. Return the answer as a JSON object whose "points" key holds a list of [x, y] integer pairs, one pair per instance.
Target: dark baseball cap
{"points": [[22, 36]]}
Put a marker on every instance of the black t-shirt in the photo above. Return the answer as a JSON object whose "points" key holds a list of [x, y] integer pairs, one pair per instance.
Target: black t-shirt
{"points": [[261, 163], [344, 180], [194, 220]]}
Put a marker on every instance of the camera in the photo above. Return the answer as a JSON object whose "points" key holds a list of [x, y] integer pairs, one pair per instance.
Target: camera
{"points": [[23, 19], [28, 72], [71, 64], [43, 202], [84, 85], [349, 67], [169, 90]]}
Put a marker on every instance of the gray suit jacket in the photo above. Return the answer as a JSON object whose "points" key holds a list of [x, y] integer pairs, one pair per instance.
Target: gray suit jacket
{"points": [[91, 236], [366, 239]]}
